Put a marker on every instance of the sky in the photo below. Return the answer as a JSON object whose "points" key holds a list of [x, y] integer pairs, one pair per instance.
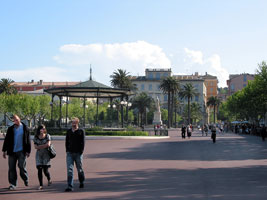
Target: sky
{"points": [[58, 40]]}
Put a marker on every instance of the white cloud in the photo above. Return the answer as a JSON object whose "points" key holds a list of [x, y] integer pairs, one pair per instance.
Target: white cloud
{"points": [[39, 73], [221, 73], [133, 57], [196, 56], [212, 65]]}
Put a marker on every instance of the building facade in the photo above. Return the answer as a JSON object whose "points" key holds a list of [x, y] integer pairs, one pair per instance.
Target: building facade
{"points": [[31, 86], [211, 83], [150, 83], [237, 82]]}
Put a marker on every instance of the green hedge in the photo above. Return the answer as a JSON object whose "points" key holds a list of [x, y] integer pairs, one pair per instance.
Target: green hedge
{"points": [[117, 133], [104, 133]]}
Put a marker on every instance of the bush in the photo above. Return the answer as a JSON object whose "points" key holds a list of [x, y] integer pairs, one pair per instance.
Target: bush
{"points": [[117, 133], [96, 128], [56, 131]]}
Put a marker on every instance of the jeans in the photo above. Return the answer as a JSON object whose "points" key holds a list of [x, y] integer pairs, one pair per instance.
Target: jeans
{"points": [[77, 158], [19, 157]]}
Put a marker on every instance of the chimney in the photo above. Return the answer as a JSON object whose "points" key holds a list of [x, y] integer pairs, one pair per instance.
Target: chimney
{"points": [[32, 81], [41, 82], [196, 73]]}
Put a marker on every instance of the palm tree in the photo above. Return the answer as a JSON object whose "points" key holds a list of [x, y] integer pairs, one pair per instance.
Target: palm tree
{"points": [[142, 102], [188, 91], [121, 79], [7, 87], [170, 86], [215, 102]]}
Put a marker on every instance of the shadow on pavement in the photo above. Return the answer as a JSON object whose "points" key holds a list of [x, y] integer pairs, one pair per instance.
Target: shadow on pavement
{"points": [[204, 150]]}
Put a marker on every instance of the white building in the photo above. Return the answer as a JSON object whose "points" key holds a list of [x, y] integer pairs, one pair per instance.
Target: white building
{"points": [[150, 83]]}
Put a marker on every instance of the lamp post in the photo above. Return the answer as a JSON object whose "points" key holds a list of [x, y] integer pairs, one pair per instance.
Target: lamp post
{"points": [[67, 109], [127, 104], [111, 107], [51, 104]]}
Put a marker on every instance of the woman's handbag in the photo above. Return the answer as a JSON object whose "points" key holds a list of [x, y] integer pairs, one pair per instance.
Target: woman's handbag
{"points": [[51, 151]]}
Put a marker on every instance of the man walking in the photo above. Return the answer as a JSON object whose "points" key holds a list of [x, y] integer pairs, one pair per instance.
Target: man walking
{"points": [[75, 140], [17, 145]]}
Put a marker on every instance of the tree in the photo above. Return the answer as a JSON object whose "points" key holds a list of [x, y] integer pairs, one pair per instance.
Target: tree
{"points": [[142, 102], [7, 87], [188, 91], [170, 86], [196, 114], [44, 107], [215, 102], [121, 79]]}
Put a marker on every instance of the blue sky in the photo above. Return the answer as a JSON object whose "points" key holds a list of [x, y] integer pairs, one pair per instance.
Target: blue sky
{"points": [[57, 40]]}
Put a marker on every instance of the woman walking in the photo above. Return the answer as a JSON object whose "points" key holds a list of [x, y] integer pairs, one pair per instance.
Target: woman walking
{"points": [[42, 141]]}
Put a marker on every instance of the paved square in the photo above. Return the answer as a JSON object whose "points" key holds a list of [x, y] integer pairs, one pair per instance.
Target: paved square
{"points": [[234, 168]]}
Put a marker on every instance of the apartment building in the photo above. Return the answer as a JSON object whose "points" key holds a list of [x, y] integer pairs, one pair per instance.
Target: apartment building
{"points": [[150, 83], [237, 82], [211, 83]]}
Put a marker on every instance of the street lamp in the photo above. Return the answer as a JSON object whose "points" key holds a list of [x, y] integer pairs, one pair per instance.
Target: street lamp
{"points": [[127, 104], [111, 107]]}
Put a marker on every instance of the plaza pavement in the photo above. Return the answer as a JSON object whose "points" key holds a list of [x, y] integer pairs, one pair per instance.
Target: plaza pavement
{"points": [[234, 168]]}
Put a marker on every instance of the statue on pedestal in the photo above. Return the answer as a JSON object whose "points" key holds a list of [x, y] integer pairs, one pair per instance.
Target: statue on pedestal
{"points": [[157, 114]]}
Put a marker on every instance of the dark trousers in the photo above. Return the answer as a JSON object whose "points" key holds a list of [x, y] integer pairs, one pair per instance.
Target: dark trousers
{"points": [[20, 158], [41, 169]]}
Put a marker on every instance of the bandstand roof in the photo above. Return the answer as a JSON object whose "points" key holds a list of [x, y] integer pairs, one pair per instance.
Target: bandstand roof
{"points": [[89, 89]]}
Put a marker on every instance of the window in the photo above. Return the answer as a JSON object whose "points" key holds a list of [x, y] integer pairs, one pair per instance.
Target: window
{"points": [[196, 98], [157, 76], [150, 76], [244, 85], [211, 89], [142, 87], [232, 87], [158, 87], [150, 87], [165, 97]]}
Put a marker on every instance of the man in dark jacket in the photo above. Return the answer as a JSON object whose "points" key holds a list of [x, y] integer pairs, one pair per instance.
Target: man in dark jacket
{"points": [[75, 140], [17, 146]]}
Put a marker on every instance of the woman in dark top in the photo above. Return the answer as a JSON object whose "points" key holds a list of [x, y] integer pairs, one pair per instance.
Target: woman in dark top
{"points": [[42, 141]]}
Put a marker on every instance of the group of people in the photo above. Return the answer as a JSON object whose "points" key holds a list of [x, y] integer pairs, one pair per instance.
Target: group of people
{"points": [[189, 129], [17, 146]]}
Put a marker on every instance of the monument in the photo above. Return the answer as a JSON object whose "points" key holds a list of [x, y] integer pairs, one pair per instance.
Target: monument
{"points": [[157, 114]]}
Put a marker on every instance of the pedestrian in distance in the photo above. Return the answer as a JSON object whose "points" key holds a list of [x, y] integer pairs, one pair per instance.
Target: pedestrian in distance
{"points": [[189, 130], [42, 140], [213, 133], [263, 132], [206, 129], [183, 130], [75, 141], [202, 130], [17, 145]]}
